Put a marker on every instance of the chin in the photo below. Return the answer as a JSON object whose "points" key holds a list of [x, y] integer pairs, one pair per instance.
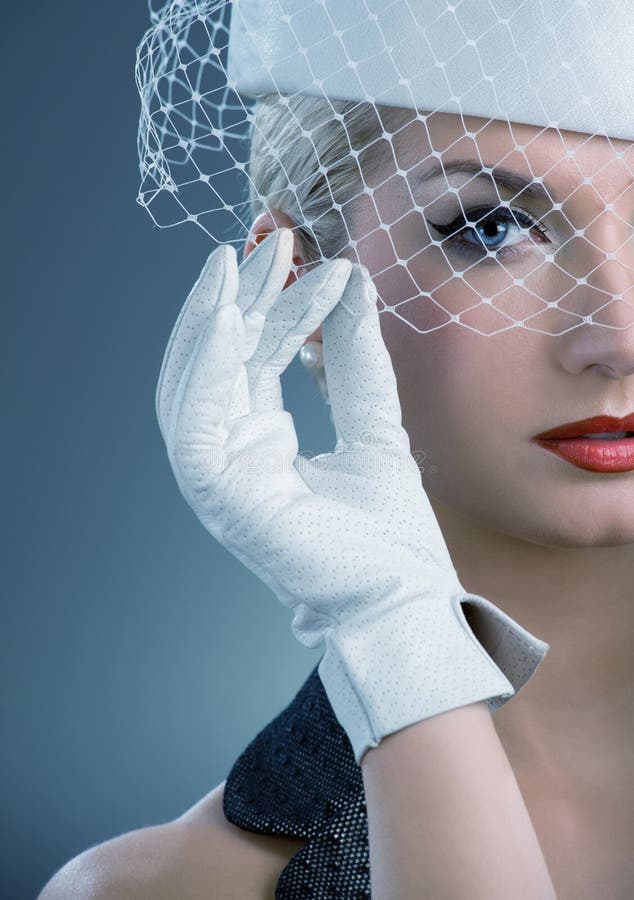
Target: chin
{"points": [[547, 518], [579, 531]]}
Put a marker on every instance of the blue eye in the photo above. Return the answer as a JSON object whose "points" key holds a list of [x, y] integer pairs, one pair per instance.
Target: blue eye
{"points": [[491, 233], [488, 228]]}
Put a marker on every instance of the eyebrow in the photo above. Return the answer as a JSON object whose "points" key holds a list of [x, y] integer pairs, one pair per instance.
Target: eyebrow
{"points": [[506, 178]]}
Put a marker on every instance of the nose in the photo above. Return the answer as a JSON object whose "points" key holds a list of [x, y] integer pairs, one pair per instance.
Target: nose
{"points": [[606, 343]]}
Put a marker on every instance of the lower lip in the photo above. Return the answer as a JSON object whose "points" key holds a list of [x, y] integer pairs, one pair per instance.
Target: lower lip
{"points": [[594, 456]]}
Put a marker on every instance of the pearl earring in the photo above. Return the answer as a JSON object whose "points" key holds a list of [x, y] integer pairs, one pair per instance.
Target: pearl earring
{"points": [[311, 355]]}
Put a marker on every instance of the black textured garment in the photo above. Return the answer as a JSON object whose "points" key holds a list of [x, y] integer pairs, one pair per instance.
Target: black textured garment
{"points": [[299, 778]]}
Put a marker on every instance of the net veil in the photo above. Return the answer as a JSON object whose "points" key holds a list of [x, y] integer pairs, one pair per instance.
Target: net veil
{"points": [[477, 156]]}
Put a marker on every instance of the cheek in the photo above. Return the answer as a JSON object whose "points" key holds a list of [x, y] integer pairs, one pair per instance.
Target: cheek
{"points": [[465, 406], [471, 404], [434, 372]]}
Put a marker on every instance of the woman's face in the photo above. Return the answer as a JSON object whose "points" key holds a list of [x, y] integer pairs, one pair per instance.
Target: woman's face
{"points": [[473, 399]]}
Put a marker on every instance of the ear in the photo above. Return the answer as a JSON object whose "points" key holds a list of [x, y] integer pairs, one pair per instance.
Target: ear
{"points": [[264, 225]]}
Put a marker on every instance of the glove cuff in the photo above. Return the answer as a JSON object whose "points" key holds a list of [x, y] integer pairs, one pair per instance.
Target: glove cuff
{"points": [[382, 672]]}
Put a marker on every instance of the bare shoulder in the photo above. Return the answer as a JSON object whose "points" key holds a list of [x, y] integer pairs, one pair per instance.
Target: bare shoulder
{"points": [[197, 856]]}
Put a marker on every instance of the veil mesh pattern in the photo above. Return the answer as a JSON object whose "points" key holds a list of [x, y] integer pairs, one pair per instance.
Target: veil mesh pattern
{"points": [[488, 253]]}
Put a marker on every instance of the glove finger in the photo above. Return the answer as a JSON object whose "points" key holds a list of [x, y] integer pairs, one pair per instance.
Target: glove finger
{"points": [[218, 278], [361, 382], [200, 417], [262, 277], [298, 311], [186, 373]]}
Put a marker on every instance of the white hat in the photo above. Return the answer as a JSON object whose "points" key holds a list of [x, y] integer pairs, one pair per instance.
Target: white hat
{"points": [[563, 63]]}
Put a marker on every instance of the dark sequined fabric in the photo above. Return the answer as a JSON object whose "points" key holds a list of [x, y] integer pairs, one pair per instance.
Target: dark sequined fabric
{"points": [[299, 778]]}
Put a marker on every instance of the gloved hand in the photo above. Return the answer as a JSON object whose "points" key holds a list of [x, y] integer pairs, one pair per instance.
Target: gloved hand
{"points": [[348, 540]]}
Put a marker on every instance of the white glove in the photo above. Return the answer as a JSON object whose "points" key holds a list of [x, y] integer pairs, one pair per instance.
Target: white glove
{"points": [[348, 540]]}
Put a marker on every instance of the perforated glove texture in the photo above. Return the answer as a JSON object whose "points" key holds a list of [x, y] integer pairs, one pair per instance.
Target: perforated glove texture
{"points": [[348, 539]]}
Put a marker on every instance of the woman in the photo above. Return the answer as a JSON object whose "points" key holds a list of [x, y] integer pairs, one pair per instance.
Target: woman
{"points": [[534, 801]]}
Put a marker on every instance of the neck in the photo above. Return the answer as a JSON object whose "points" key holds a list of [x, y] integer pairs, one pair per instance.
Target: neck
{"points": [[580, 701]]}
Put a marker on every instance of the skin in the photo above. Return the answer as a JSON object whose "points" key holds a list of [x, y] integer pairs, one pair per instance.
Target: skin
{"points": [[549, 543]]}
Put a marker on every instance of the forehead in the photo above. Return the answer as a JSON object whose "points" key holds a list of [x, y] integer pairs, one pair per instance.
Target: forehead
{"points": [[565, 160]]}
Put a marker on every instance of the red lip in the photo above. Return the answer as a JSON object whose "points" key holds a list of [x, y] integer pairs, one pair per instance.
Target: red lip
{"points": [[595, 425], [592, 454]]}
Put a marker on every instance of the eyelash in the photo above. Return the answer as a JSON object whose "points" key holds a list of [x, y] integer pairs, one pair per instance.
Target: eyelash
{"points": [[479, 216]]}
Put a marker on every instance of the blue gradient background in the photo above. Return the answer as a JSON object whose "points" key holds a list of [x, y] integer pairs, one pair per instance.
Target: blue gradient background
{"points": [[138, 656]]}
